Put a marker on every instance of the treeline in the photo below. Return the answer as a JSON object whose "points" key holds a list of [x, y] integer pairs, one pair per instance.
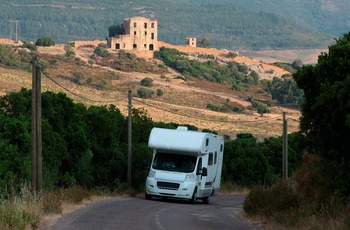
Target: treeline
{"points": [[88, 146], [224, 25]]}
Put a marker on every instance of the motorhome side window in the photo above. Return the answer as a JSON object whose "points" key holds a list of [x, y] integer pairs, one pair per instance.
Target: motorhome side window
{"points": [[174, 162], [215, 157], [199, 167], [210, 159]]}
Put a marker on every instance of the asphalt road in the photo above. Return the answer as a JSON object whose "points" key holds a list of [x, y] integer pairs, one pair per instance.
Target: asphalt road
{"points": [[137, 213]]}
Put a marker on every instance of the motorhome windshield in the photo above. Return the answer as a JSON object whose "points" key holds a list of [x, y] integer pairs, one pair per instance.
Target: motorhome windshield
{"points": [[174, 162]]}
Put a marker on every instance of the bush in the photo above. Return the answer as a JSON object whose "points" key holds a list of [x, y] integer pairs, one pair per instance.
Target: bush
{"points": [[236, 87], [101, 51], [69, 54], [45, 41], [147, 82], [213, 107], [75, 194], [30, 46], [102, 85], [52, 202], [144, 93], [160, 92], [78, 77], [272, 201]]}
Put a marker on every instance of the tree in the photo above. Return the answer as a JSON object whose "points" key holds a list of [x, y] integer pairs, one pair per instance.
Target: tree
{"points": [[286, 91], [297, 64], [245, 163], [148, 82], [45, 41], [144, 92], [116, 30], [100, 51], [204, 43], [326, 112]]}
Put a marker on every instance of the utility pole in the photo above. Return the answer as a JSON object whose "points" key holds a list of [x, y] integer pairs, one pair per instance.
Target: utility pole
{"points": [[16, 30], [36, 128], [285, 148], [129, 137], [11, 27]]}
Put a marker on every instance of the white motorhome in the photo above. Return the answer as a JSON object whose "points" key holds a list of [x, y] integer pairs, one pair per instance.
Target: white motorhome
{"points": [[186, 164]]}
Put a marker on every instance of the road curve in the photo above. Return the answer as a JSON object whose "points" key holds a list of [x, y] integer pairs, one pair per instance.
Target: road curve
{"points": [[137, 213]]}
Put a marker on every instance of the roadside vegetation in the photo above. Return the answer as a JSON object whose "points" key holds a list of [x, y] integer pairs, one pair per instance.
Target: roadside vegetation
{"points": [[317, 195]]}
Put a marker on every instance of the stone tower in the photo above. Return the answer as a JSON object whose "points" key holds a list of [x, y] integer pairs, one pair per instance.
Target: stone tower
{"points": [[140, 34], [191, 42]]}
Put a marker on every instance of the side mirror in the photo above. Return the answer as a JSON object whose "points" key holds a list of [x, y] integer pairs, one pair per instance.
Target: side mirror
{"points": [[204, 171]]}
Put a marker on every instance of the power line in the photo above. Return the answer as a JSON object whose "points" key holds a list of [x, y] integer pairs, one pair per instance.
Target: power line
{"points": [[77, 95]]}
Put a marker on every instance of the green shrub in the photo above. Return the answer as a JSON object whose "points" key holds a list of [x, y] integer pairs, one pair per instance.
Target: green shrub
{"points": [[45, 41], [238, 109], [160, 92], [102, 85], [144, 93], [236, 87], [147, 82], [70, 54], [30, 46], [101, 51], [78, 77], [213, 107]]}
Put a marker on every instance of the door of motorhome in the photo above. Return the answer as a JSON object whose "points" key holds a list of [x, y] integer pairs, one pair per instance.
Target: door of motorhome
{"points": [[186, 164]]}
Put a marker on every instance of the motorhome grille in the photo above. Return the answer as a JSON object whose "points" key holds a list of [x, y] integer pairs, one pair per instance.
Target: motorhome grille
{"points": [[167, 185]]}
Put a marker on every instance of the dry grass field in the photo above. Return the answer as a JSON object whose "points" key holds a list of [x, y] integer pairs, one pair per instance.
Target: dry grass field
{"points": [[183, 102]]}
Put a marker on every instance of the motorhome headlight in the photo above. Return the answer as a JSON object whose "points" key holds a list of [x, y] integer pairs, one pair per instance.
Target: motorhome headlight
{"points": [[152, 174], [190, 177]]}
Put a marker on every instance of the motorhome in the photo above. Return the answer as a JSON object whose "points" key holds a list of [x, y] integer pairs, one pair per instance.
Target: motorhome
{"points": [[185, 165]]}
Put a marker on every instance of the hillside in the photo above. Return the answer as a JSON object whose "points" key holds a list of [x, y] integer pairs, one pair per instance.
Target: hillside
{"points": [[328, 16], [224, 25], [183, 102]]}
